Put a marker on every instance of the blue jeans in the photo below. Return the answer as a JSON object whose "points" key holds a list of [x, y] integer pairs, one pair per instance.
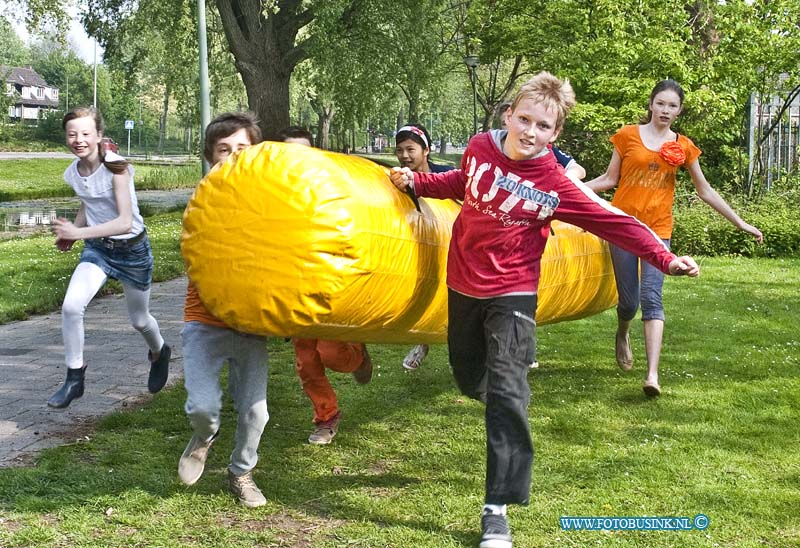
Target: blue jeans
{"points": [[633, 291], [491, 344]]}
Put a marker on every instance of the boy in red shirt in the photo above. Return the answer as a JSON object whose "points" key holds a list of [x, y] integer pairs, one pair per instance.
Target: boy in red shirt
{"points": [[512, 189]]}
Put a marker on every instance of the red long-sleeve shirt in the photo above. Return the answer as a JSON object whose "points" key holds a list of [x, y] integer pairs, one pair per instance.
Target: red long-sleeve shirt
{"points": [[500, 234]]}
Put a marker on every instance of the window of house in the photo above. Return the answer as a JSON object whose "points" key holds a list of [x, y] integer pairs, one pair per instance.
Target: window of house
{"points": [[54, 93], [40, 93]]}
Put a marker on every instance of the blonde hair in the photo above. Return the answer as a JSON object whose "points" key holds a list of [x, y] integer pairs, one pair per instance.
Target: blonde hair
{"points": [[117, 166], [551, 92]]}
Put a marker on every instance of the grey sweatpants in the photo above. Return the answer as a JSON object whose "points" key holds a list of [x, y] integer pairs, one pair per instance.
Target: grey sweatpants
{"points": [[205, 349]]}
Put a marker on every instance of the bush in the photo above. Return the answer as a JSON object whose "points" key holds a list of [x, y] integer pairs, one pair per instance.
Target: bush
{"points": [[699, 230]]}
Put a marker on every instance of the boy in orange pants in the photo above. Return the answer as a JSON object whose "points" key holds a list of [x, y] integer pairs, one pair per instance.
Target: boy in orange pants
{"points": [[314, 356]]}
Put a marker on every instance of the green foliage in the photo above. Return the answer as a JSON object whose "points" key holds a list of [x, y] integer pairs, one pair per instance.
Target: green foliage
{"points": [[44, 178], [699, 230], [25, 179], [614, 52], [168, 177], [23, 137], [13, 52]]}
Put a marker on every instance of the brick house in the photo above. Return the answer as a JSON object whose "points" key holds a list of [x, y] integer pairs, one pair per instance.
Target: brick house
{"points": [[31, 95]]}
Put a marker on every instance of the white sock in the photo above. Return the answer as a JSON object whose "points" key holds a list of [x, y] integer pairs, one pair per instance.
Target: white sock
{"points": [[497, 509]]}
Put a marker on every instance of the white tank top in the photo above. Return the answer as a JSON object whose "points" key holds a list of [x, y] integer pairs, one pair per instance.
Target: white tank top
{"points": [[96, 191]]}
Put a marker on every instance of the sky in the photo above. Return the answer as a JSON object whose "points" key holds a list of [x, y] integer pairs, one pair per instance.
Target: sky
{"points": [[76, 38]]}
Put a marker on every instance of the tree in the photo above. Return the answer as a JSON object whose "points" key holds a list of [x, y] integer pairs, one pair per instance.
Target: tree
{"points": [[13, 52], [263, 40], [613, 53]]}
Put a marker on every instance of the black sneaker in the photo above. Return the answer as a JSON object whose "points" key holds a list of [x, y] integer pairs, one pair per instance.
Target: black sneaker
{"points": [[494, 531], [159, 369]]}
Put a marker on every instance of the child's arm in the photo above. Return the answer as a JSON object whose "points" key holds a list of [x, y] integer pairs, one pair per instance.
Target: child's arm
{"points": [[63, 244], [65, 230], [581, 207], [575, 171], [572, 168], [712, 198], [610, 178], [447, 184]]}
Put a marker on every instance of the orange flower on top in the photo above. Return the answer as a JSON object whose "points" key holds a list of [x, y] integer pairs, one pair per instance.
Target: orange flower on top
{"points": [[672, 153]]}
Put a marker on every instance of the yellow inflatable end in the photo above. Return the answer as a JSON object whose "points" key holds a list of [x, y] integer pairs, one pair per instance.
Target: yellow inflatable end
{"points": [[293, 241]]}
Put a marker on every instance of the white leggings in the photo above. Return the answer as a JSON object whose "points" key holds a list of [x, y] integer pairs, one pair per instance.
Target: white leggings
{"points": [[86, 281]]}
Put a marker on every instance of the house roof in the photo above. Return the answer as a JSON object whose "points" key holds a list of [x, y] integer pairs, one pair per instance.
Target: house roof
{"points": [[36, 102], [24, 76]]}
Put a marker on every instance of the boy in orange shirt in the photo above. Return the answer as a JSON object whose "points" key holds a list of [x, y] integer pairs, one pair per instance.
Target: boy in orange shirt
{"points": [[208, 344]]}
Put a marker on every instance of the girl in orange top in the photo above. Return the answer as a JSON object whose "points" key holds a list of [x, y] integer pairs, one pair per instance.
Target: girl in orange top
{"points": [[645, 162]]}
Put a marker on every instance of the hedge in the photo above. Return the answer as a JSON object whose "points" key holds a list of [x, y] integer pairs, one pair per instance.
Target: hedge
{"points": [[700, 230]]}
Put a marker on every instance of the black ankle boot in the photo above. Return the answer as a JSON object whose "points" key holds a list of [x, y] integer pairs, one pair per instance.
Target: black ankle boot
{"points": [[71, 389]]}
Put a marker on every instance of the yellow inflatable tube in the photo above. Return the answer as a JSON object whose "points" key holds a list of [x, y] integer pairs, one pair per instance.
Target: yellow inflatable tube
{"points": [[288, 240]]}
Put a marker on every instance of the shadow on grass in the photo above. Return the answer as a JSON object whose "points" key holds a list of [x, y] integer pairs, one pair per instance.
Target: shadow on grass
{"points": [[137, 451]]}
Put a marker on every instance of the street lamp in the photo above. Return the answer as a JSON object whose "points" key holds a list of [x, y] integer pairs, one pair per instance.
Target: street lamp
{"points": [[472, 62]]}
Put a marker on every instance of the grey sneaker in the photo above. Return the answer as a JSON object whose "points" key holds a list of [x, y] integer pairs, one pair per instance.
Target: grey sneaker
{"points": [[363, 374], [495, 532], [324, 432], [193, 459], [246, 490], [414, 358]]}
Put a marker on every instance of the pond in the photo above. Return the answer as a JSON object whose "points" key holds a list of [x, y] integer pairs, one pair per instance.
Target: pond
{"points": [[21, 219]]}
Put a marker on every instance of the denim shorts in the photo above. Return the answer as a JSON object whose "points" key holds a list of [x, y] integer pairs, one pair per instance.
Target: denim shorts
{"points": [[130, 265]]}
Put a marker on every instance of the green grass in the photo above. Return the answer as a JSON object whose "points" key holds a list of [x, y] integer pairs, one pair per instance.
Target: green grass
{"points": [[406, 469], [44, 178], [34, 274], [391, 159], [40, 178]]}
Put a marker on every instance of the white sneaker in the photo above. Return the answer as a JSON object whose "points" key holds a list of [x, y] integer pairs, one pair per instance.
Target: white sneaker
{"points": [[324, 432]]}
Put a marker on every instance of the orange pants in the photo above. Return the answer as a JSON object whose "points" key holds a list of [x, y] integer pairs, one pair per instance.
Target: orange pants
{"points": [[313, 356]]}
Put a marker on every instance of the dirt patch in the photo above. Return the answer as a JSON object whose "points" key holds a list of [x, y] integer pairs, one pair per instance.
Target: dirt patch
{"points": [[380, 467], [9, 525], [79, 430], [291, 530]]}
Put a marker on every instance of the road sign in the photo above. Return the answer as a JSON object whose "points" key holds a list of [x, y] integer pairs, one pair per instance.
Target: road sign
{"points": [[128, 124]]}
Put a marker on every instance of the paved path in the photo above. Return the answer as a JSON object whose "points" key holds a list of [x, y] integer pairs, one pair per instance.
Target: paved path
{"points": [[32, 368]]}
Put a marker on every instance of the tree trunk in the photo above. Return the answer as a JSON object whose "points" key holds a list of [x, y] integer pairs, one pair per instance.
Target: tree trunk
{"points": [[267, 96], [262, 41], [325, 116], [162, 125]]}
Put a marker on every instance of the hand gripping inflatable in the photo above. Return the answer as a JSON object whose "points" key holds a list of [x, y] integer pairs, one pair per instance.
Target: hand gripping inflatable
{"points": [[289, 240]]}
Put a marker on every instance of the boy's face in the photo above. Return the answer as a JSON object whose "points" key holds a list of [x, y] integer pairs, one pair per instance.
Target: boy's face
{"points": [[531, 127], [232, 143]]}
